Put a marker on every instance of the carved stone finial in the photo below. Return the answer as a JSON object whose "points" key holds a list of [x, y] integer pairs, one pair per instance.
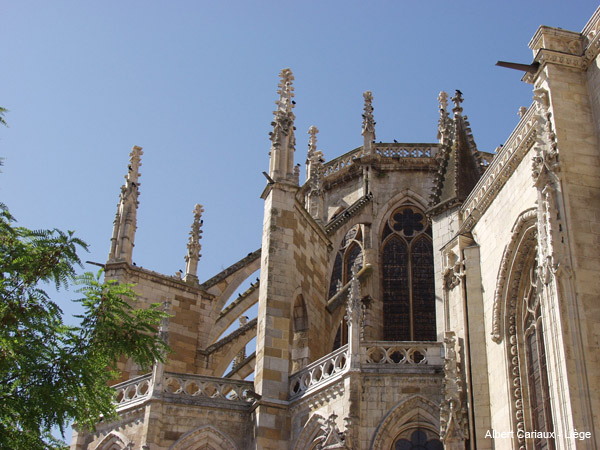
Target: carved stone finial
{"points": [[522, 111], [314, 169], [193, 246], [443, 100], [457, 99], [125, 224], [368, 128], [282, 136], [312, 141], [444, 131]]}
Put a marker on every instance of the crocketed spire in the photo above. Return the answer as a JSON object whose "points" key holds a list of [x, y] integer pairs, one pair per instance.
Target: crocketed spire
{"points": [[125, 224], [459, 160], [194, 247], [281, 166], [368, 129]]}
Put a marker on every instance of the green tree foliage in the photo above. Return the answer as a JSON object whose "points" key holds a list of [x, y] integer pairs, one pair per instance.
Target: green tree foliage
{"points": [[52, 373]]}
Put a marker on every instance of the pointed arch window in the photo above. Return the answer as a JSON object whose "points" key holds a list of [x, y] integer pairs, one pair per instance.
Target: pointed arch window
{"points": [[535, 373], [407, 277], [420, 440], [350, 253], [300, 315]]}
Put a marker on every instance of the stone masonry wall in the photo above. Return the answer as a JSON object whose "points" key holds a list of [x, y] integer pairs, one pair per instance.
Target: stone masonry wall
{"points": [[492, 233]]}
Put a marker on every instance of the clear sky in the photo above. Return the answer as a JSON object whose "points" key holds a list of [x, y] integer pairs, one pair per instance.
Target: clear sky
{"points": [[194, 84]]}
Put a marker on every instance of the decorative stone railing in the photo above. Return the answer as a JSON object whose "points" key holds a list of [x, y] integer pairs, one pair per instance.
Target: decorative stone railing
{"points": [[133, 391], [320, 373], [395, 150], [337, 164], [406, 151], [401, 354], [191, 386]]}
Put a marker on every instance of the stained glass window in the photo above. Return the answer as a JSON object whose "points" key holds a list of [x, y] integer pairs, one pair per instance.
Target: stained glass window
{"points": [[350, 252], [407, 277], [336, 275], [396, 303], [418, 441], [353, 255], [423, 294], [536, 370]]}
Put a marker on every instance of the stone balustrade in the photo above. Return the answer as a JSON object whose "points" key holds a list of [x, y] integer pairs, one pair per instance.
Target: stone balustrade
{"points": [[337, 164], [191, 386], [133, 391], [319, 373], [389, 353], [395, 150], [405, 151]]}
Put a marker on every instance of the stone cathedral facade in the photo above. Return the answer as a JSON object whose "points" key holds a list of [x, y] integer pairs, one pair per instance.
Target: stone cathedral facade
{"points": [[411, 295]]}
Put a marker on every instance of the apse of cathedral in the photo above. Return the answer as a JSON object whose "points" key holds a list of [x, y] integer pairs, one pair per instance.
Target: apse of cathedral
{"points": [[411, 295]]}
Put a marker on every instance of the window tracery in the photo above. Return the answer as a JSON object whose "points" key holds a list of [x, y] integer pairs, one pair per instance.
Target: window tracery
{"points": [[350, 253], [535, 361], [418, 440], [408, 277]]}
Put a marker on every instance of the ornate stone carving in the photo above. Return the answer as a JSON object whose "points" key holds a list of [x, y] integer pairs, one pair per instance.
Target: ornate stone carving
{"points": [[368, 127], [515, 377], [444, 125], [283, 123], [545, 163], [314, 174], [546, 176], [454, 427], [193, 247], [125, 224], [454, 271], [331, 437], [499, 170], [524, 221], [457, 100], [282, 137]]}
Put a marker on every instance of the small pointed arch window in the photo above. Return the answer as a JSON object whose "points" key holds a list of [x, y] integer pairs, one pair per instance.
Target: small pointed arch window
{"points": [[349, 254], [407, 276], [300, 315]]}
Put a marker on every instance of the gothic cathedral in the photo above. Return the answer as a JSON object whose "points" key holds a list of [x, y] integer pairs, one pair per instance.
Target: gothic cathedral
{"points": [[411, 295]]}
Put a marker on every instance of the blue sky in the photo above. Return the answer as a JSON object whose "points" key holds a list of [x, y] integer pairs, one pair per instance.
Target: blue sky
{"points": [[194, 84]]}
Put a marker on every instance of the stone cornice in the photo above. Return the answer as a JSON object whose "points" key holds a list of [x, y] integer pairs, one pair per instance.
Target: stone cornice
{"points": [[545, 56], [566, 48], [499, 170]]}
